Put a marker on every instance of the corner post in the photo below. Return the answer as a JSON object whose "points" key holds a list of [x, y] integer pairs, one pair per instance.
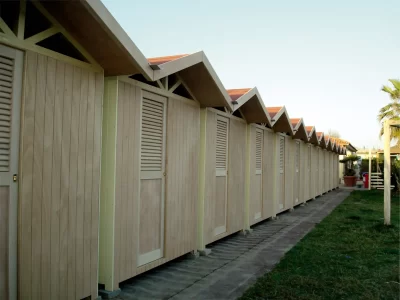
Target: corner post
{"points": [[386, 159], [107, 189], [369, 168], [247, 180], [202, 173]]}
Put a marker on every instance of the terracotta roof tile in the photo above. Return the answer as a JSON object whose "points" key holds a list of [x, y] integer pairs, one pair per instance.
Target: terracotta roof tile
{"points": [[164, 59], [273, 110], [295, 121], [237, 93], [309, 128]]}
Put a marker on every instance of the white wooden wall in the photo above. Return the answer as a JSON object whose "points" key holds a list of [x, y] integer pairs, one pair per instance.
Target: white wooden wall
{"points": [[60, 180]]}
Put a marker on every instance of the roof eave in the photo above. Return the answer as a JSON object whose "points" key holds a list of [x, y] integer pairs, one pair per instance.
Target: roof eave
{"points": [[253, 108], [198, 74]]}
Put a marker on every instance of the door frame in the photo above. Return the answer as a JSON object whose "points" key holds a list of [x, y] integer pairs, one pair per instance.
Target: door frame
{"points": [[223, 173], [149, 257], [13, 205]]}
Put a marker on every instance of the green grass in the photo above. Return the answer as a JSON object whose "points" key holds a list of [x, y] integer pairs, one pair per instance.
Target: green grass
{"points": [[349, 255]]}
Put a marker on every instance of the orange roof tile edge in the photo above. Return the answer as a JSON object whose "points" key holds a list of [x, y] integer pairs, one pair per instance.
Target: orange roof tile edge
{"points": [[273, 110], [164, 59], [309, 128], [237, 93], [295, 121]]}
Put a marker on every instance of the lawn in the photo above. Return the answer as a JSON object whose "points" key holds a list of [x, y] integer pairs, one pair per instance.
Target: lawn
{"points": [[349, 255]]}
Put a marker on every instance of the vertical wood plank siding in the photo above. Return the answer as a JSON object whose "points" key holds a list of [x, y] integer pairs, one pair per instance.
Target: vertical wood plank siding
{"points": [[181, 189], [289, 171], [269, 170], [236, 178], [60, 172]]}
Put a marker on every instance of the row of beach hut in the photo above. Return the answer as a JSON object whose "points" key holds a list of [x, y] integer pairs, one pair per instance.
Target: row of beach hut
{"points": [[112, 164]]}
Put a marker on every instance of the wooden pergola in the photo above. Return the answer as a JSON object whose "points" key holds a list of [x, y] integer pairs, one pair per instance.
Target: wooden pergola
{"points": [[386, 162]]}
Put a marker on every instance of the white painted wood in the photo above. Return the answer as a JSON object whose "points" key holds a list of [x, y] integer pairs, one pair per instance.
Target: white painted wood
{"points": [[386, 167], [13, 60], [152, 170], [221, 171], [257, 215], [219, 230], [149, 257]]}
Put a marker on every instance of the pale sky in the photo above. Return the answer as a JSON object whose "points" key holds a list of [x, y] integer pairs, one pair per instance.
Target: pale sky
{"points": [[324, 60]]}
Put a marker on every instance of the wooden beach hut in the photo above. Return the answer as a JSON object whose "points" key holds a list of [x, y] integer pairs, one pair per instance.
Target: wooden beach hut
{"points": [[53, 58], [301, 165], [284, 132], [227, 139], [150, 164]]}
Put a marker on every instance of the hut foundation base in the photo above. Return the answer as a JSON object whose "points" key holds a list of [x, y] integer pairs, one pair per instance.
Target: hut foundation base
{"points": [[291, 209], [246, 231], [104, 294], [205, 252], [193, 254]]}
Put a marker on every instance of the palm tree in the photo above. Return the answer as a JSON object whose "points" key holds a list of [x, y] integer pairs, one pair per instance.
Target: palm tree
{"points": [[392, 110]]}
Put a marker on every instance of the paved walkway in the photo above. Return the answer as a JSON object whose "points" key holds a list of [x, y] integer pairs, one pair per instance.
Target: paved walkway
{"points": [[236, 261]]}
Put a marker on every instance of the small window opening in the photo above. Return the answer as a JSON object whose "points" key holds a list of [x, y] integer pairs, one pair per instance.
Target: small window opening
{"points": [[35, 22], [237, 113], [60, 44], [172, 79], [182, 91], [9, 12], [141, 78]]}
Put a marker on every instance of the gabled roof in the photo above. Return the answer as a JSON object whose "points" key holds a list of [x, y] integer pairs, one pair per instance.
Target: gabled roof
{"points": [[333, 145], [164, 59], [251, 105], [299, 129], [198, 74], [280, 120], [321, 140], [327, 142], [312, 135], [345, 144], [96, 30]]}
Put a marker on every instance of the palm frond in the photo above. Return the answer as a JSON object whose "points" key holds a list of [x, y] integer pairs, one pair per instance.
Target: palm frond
{"points": [[396, 83]]}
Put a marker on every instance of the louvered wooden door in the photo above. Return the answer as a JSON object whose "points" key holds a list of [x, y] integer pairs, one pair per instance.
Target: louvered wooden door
{"points": [[221, 172], [152, 178], [281, 178], [296, 190], [258, 175], [10, 98]]}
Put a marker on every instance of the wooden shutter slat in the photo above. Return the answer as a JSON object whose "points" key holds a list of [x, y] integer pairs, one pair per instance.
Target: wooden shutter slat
{"points": [[152, 135], [6, 73], [6, 60], [221, 143], [281, 153], [4, 66], [258, 150], [5, 80]]}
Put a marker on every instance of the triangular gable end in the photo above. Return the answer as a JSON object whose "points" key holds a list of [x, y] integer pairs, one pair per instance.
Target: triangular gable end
{"points": [[280, 120], [250, 104], [199, 76], [299, 129]]}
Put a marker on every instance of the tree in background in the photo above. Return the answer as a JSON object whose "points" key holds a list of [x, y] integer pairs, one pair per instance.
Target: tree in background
{"points": [[333, 133], [391, 111]]}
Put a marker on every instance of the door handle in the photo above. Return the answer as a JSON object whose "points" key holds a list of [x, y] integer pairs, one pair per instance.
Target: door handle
{"points": [[15, 177]]}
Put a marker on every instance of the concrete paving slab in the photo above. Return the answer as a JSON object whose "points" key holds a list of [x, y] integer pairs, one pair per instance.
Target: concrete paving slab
{"points": [[235, 262]]}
